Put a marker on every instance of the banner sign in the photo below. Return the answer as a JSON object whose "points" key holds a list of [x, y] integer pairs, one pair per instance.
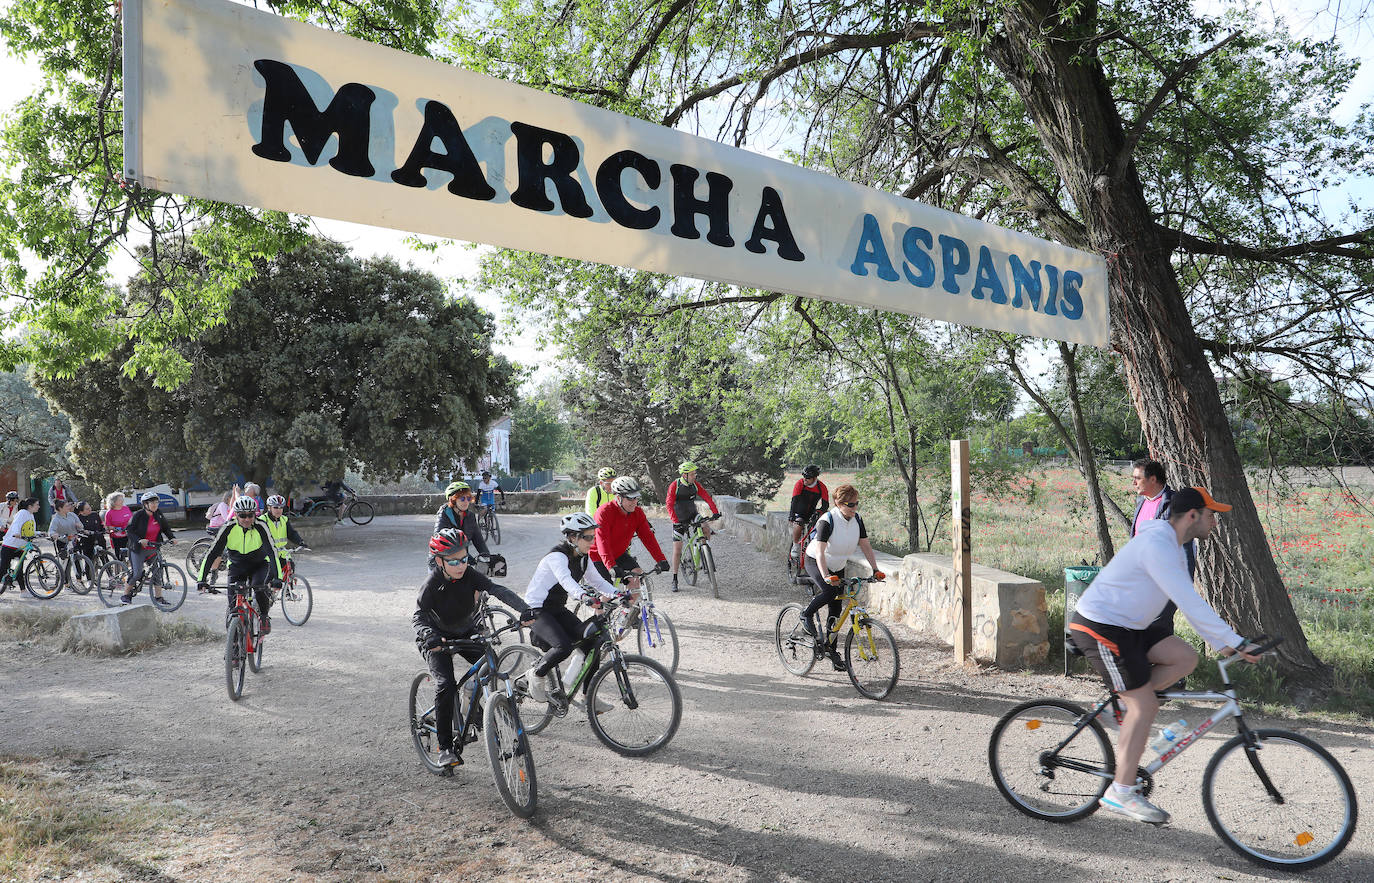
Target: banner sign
{"points": [[228, 103]]}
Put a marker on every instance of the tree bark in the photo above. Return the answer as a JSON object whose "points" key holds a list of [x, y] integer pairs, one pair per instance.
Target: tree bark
{"points": [[1086, 457], [1044, 54]]}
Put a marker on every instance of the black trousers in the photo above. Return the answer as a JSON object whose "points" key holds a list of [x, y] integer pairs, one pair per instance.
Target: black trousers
{"points": [[254, 573], [560, 631], [827, 596], [446, 690]]}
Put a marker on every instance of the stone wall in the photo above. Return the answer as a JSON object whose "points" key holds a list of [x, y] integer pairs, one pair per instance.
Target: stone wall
{"points": [[517, 503], [1010, 623]]}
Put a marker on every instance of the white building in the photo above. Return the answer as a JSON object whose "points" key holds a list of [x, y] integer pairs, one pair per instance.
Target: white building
{"points": [[497, 456]]}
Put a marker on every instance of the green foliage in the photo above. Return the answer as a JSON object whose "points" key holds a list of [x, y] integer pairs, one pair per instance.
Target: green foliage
{"points": [[323, 363], [540, 435], [30, 432]]}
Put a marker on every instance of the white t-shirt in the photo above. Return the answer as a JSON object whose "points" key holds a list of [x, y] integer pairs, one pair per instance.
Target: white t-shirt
{"points": [[552, 571], [14, 535], [1149, 572], [841, 536], [489, 485]]}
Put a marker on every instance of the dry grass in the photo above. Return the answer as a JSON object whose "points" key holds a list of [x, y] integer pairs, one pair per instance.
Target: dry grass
{"points": [[36, 623]]}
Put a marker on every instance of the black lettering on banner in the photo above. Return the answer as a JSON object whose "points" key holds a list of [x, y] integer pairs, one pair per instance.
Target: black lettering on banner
{"points": [[458, 159], [286, 100], [612, 194], [686, 205], [533, 171], [777, 228]]}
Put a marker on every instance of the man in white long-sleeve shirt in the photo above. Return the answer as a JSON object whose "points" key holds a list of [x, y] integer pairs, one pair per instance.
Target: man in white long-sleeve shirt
{"points": [[1112, 626]]}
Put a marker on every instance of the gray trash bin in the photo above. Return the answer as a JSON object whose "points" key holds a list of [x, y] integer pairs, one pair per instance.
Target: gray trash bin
{"points": [[1076, 581]]}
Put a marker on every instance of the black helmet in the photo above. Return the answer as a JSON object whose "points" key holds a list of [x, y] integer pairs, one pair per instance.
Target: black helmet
{"points": [[811, 472]]}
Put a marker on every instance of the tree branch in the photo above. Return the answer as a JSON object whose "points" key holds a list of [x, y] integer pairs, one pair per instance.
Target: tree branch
{"points": [[1330, 246]]}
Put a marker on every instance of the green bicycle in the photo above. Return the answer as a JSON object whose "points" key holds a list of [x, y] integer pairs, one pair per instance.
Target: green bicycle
{"points": [[38, 573], [697, 557]]}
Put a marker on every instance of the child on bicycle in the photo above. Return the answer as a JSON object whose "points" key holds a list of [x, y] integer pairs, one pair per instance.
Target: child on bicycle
{"points": [[1115, 625], [23, 527], [839, 534], [682, 508], [558, 578], [446, 608]]}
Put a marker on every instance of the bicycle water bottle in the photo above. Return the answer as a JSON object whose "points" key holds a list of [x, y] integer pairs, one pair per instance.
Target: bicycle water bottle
{"points": [[1168, 736], [574, 665]]}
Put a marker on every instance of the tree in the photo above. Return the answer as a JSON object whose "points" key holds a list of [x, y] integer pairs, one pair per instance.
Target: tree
{"points": [[324, 362], [31, 433], [539, 435]]}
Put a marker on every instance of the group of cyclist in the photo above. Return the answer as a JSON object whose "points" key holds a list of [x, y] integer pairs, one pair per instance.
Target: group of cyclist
{"points": [[252, 542]]}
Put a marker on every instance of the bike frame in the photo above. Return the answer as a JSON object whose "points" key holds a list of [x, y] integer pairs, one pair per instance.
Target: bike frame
{"points": [[851, 612], [248, 609], [480, 673]]}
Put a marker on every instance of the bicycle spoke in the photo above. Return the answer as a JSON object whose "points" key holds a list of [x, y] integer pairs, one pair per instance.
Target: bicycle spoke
{"points": [[1054, 786]]}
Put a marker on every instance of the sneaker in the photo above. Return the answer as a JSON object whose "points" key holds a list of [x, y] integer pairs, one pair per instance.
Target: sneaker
{"points": [[447, 757], [675, 586], [266, 626], [538, 686], [809, 626], [161, 602], [126, 599], [837, 662], [1132, 805], [601, 706]]}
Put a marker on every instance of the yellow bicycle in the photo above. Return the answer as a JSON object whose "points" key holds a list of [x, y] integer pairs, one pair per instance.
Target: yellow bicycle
{"points": [[869, 649]]}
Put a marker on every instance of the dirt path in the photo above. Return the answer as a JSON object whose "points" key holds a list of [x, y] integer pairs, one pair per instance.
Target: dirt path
{"points": [[312, 776]]}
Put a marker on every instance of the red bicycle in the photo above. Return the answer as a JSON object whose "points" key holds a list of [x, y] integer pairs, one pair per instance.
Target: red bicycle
{"points": [[244, 639]]}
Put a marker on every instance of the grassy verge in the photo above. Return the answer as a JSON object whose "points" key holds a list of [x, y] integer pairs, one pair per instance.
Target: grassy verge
{"points": [[34, 623]]}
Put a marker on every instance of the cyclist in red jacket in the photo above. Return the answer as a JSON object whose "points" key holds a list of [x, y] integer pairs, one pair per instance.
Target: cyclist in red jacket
{"points": [[617, 523], [809, 499], [682, 508]]}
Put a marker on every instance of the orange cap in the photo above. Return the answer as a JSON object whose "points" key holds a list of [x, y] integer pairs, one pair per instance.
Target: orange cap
{"points": [[1210, 503]]}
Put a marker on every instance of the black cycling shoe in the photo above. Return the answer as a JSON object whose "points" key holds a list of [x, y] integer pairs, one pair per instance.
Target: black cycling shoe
{"points": [[675, 586], [836, 661], [808, 626]]}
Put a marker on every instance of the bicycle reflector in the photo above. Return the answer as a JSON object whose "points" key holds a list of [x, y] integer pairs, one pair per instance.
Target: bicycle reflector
{"points": [[1032, 724]]}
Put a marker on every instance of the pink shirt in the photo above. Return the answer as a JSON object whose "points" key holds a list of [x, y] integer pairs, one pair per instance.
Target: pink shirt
{"points": [[117, 521], [1148, 510], [154, 529]]}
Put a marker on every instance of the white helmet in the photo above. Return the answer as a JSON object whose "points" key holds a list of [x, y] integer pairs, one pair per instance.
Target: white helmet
{"points": [[245, 505], [148, 497], [576, 523], [276, 500], [625, 486]]}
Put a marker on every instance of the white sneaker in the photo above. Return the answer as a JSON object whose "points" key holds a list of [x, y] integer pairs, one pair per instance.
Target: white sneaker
{"points": [[1132, 805], [538, 691]]}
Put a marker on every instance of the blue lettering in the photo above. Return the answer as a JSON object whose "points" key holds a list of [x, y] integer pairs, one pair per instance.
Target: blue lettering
{"points": [[1027, 281], [872, 250], [912, 241], [954, 254], [1072, 307], [1052, 274], [987, 280]]}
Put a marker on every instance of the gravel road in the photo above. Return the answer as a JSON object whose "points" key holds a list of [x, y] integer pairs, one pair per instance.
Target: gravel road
{"points": [[311, 776]]}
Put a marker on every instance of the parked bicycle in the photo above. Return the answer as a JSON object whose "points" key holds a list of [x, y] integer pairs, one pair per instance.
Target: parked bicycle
{"points": [[655, 636], [633, 704], [38, 573], [697, 556], [1274, 796], [347, 506], [870, 653], [489, 523], [166, 582], [243, 639], [495, 715]]}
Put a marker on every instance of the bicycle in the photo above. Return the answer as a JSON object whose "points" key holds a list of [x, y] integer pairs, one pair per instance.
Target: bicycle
{"points": [[796, 559], [1276, 797], [243, 639], [489, 523], [697, 554], [868, 646], [79, 572], [294, 597], [166, 582], [655, 636], [38, 573], [348, 506], [634, 706], [195, 556], [507, 741], [497, 620]]}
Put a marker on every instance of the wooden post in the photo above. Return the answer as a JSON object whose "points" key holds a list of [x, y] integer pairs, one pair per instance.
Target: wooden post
{"points": [[963, 549]]}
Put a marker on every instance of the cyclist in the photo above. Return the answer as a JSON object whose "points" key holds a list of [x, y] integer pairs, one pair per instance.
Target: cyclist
{"points": [[252, 558], [9, 510], [64, 527], [839, 534], [22, 528], [93, 526], [600, 492], [145, 528], [280, 526], [445, 608], [681, 503], [1115, 625], [487, 489], [617, 523], [117, 517], [457, 513], [557, 579], [809, 496]]}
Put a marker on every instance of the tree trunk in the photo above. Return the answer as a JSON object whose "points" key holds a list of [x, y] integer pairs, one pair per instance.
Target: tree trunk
{"points": [[1049, 63], [1086, 457]]}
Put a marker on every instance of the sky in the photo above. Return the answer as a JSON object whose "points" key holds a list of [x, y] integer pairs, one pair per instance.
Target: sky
{"points": [[1351, 20]]}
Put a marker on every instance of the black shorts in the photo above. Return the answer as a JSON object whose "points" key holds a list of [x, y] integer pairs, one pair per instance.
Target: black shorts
{"points": [[1120, 655]]}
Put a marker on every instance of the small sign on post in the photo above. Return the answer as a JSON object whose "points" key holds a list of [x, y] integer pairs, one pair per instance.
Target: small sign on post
{"points": [[963, 549]]}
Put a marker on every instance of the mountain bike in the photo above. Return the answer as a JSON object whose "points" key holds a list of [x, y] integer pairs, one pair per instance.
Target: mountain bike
{"points": [[489, 523], [497, 621], [870, 653], [347, 506], [196, 555], [165, 581], [697, 555], [495, 715], [38, 573], [79, 573], [1274, 796], [633, 704], [655, 636], [243, 639], [294, 597], [796, 560]]}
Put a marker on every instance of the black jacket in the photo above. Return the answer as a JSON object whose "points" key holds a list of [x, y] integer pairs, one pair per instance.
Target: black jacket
{"points": [[138, 527], [447, 517], [445, 607]]}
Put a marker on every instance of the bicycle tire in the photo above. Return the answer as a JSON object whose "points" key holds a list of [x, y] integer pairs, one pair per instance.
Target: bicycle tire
{"points": [[195, 557], [499, 618], [1313, 787], [865, 655], [112, 582], [689, 564], [643, 697], [495, 529], [297, 600], [513, 662], [424, 732], [173, 587], [79, 573], [708, 567], [361, 512], [657, 638], [1067, 790], [255, 658], [796, 649], [42, 576], [235, 657], [508, 749]]}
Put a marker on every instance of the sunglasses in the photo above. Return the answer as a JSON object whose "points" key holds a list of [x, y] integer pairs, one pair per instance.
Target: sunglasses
{"points": [[454, 562], [853, 505], [589, 537], [246, 515]]}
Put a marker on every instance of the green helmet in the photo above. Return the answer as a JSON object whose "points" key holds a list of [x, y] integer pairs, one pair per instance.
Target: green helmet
{"points": [[456, 487], [686, 466], [606, 473]]}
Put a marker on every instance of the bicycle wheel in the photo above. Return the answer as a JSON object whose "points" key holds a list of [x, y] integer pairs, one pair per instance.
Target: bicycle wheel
{"points": [[1305, 822], [1062, 787], [656, 638], [173, 580], [499, 618], [112, 582], [42, 576], [796, 649], [79, 574], [360, 512], [508, 749], [708, 567], [196, 557], [297, 600], [633, 705], [255, 656], [689, 564], [513, 662], [424, 733], [871, 656], [494, 531], [235, 657]]}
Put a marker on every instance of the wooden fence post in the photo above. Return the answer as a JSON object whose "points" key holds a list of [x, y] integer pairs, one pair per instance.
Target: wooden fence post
{"points": [[963, 549]]}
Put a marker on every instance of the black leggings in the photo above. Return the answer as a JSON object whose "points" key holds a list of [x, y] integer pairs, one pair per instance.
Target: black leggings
{"points": [[7, 556], [561, 631], [446, 690], [826, 594], [254, 573]]}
